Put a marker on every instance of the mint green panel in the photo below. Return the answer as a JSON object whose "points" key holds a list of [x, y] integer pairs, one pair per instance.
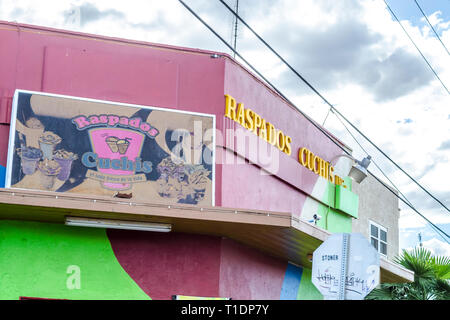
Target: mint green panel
{"points": [[347, 201], [349, 183], [328, 197], [338, 222], [333, 220]]}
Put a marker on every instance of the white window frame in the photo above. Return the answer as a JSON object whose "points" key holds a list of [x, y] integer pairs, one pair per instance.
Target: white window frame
{"points": [[378, 238]]}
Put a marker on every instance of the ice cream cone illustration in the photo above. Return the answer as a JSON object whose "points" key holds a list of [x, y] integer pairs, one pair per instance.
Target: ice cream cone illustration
{"points": [[122, 145], [112, 143]]}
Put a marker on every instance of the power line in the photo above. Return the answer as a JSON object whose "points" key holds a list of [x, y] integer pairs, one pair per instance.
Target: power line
{"points": [[329, 104], [393, 185], [429, 65], [285, 98], [425, 16]]}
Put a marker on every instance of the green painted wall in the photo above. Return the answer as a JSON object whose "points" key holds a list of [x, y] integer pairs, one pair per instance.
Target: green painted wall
{"points": [[307, 290], [334, 220], [35, 258]]}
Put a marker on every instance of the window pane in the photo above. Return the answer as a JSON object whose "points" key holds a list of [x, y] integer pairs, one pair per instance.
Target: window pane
{"points": [[383, 235], [373, 231], [374, 242], [383, 248]]}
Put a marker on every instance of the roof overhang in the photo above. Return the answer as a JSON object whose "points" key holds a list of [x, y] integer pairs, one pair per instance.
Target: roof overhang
{"points": [[275, 233]]}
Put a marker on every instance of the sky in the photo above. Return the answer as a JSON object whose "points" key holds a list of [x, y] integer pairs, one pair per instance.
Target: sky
{"points": [[352, 51]]}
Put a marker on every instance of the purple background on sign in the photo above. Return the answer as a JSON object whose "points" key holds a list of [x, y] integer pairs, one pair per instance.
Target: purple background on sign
{"points": [[101, 148]]}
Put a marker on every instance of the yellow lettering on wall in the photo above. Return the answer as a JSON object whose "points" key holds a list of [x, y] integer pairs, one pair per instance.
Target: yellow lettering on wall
{"points": [[263, 130], [311, 161], [280, 140], [322, 168], [240, 114], [249, 124], [339, 180], [230, 107], [257, 121], [331, 176], [303, 156], [316, 164], [256, 124], [287, 148], [271, 138]]}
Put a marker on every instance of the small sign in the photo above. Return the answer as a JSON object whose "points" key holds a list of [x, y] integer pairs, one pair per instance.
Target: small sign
{"points": [[345, 266]]}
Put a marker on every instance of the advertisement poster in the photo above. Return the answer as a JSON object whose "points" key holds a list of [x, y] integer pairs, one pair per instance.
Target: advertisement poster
{"points": [[69, 144]]}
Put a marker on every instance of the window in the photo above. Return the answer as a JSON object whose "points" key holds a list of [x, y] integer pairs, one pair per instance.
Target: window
{"points": [[378, 238]]}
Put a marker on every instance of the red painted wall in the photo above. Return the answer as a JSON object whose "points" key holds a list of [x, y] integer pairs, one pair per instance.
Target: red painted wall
{"points": [[165, 264], [246, 273], [171, 263]]}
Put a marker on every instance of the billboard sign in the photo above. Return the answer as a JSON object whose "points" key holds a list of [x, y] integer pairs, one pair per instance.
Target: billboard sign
{"points": [[70, 144]]}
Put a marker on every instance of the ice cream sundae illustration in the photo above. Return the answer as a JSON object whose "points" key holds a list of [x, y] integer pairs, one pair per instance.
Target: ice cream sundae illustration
{"points": [[34, 129], [184, 182], [49, 163], [29, 159], [49, 170], [47, 142], [64, 159]]}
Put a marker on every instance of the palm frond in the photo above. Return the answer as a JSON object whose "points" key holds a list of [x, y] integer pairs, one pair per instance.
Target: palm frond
{"points": [[417, 260], [441, 267], [431, 278]]}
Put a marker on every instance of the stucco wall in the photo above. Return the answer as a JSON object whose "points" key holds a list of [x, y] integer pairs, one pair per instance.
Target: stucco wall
{"points": [[377, 204]]}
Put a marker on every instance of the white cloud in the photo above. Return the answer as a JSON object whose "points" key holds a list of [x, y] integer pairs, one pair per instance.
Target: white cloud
{"points": [[437, 247]]}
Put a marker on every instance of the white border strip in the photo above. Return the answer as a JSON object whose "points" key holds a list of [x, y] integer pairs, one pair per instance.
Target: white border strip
{"points": [[11, 142]]}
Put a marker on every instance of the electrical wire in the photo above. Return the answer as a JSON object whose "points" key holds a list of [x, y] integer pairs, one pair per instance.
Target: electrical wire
{"points": [[393, 185], [425, 59], [306, 116], [425, 16], [330, 105]]}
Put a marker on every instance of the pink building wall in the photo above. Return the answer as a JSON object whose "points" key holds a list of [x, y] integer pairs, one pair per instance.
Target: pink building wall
{"points": [[41, 59]]}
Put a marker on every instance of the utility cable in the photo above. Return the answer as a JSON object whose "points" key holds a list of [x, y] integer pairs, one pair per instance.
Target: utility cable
{"points": [[329, 104], [425, 16], [326, 117], [429, 65], [301, 112], [382, 172]]}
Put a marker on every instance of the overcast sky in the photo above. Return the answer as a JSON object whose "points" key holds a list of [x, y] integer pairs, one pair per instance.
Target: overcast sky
{"points": [[351, 51]]}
